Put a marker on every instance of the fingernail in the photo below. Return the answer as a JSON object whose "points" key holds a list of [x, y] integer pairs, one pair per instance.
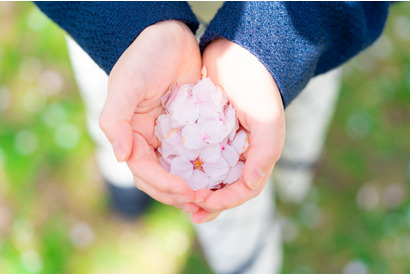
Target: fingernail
{"points": [[255, 179], [118, 151], [189, 208], [186, 209]]}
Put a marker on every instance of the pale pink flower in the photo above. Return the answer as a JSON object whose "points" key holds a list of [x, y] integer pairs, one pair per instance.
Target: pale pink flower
{"points": [[198, 135], [202, 168]]}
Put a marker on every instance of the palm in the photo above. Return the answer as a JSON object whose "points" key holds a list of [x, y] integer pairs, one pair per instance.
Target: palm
{"points": [[255, 96], [156, 62], [162, 55]]}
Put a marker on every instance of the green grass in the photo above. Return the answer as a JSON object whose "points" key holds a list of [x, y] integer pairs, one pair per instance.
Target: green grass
{"points": [[54, 213], [368, 143]]}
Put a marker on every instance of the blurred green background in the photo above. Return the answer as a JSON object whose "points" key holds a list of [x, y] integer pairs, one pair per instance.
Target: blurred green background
{"points": [[54, 212]]}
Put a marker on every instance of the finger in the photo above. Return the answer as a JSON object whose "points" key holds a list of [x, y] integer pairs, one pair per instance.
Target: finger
{"points": [[232, 195], [202, 195], [203, 216], [144, 165], [123, 97], [176, 200], [144, 124], [265, 145], [190, 208]]}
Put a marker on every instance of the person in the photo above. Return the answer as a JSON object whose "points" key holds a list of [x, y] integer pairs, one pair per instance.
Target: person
{"points": [[261, 53]]}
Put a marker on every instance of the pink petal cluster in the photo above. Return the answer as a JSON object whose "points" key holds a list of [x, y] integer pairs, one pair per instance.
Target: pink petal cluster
{"points": [[200, 136]]}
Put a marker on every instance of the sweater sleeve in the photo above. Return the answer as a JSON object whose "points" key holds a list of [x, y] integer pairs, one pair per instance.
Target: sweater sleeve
{"points": [[106, 29], [298, 40]]}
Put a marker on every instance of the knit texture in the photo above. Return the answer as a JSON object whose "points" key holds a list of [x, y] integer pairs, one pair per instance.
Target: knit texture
{"points": [[298, 40], [106, 29]]}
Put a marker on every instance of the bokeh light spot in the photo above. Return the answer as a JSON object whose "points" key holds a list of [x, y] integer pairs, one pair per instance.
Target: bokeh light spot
{"points": [[176, 243], [393, 195], [32, 261], [54, 115], [81, 235], [358, 125], [355, 267], [368, 197], [25, 142], [5, 99], [402, 27], [50, 82], [36, 20], [67, 136], [33, 102]]}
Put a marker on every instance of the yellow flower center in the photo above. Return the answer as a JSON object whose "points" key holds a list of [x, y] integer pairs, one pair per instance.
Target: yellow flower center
{"points": [[198, 164]]}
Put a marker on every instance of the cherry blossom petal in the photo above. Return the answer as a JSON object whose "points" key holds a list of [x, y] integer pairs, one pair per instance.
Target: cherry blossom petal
{"points": [[214, 131], [181, 167], [198, 180], [216, 170], [168, 97], [204, 89], [232, 135], [167, 152], [230, 155], [186, 153], [221, 115], [219, 98], [170, 143], [180, 97], [213, 184], [224, 142], [210, 153], [230, 121], [162, 127], [234, 173], [240, 142], [191, 137], [187, 113], [204, 92], [208, 109], [173, 138], [202, 120]]}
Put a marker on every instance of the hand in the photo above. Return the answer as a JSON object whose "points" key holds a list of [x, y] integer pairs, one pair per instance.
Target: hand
{"points": [[162, 55], [257, 101]]}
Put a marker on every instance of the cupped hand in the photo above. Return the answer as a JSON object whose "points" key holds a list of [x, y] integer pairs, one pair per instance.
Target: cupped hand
{"points": [[163, 54], [257, 101]]}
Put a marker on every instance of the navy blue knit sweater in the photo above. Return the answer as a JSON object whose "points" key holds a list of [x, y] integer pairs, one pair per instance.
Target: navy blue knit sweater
{"points": [[294, 40]]}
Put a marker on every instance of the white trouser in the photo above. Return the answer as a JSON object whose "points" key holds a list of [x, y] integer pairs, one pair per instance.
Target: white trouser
{"points": [[92, 83], [247, 238], [307, 121]]}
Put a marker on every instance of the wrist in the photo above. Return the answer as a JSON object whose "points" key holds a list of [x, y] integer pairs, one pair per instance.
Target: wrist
{"points": [[240, 74]]}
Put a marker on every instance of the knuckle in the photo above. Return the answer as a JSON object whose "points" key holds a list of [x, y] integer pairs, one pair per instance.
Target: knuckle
{"points": [[167, 200], [165, 188]]}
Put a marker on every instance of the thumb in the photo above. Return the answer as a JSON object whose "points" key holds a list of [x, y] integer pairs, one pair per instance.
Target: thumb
{"points": [[115, 119], [264, 150]]}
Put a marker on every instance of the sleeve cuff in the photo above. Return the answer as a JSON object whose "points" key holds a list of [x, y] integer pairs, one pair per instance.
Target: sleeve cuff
{"points": [[106, 29]]}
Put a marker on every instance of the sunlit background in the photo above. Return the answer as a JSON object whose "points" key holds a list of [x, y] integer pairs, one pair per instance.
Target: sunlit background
{"points": [[54, 211]]}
